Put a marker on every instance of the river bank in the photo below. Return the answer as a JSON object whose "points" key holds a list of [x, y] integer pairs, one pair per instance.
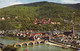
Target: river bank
{"points": [[61, 46], [56, 44]]}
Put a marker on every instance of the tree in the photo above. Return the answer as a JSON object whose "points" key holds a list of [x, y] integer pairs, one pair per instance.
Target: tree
{"points": [[9, 48]]}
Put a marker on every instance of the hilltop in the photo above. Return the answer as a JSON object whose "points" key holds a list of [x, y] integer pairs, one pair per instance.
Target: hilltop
{"points": [[74, 6]]}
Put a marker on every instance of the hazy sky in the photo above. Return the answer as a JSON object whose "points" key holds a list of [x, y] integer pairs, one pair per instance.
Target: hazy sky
{"points": [[5, 3]]}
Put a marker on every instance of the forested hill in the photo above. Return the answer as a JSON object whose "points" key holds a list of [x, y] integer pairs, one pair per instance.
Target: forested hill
{"points": [[22, 17]]}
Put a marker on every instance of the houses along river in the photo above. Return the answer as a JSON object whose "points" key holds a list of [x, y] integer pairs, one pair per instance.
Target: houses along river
{"points": [[41, 47]]}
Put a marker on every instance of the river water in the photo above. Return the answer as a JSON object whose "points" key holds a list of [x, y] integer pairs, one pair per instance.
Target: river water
{"points": [[42, 47]]}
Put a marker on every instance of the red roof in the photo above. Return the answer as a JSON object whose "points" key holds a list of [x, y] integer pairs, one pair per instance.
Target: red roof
{"points": [[35, 34]]}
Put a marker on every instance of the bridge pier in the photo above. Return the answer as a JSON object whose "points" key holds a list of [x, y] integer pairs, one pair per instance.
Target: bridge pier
{"points": [[21, 45], [46, 41]]}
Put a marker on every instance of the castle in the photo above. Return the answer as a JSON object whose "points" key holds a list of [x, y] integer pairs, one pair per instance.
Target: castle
{"points": [[42, 21]]}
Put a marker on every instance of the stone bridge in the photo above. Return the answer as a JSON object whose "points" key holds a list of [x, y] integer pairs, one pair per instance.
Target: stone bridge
{"points": [[29, 43]]}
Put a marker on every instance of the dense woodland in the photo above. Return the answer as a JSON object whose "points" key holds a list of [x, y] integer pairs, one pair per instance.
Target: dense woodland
{"points": [[27, 14]]}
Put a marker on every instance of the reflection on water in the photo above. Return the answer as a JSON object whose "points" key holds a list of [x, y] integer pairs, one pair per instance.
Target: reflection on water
{"points": [[44, 47], [6, 41]]}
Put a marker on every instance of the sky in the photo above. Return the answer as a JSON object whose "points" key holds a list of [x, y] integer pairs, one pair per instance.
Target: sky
{"points": [[5, 3]]}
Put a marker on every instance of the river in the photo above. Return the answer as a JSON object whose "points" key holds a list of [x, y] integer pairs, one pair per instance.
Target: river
{"points": [[42, 47]]}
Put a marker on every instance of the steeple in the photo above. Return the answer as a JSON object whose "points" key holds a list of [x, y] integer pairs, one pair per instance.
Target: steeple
{"points": [[73, 30]]}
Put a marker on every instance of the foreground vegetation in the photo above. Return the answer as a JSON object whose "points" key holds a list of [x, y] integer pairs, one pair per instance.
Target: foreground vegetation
{"points": [[26, 16], [9, 48]]}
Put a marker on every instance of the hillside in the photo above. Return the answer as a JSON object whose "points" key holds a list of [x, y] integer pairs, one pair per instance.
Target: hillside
{"points": [[22, 16]]}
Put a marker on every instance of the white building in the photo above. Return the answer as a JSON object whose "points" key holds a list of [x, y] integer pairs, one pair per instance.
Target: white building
{"points": [[2, 18]]}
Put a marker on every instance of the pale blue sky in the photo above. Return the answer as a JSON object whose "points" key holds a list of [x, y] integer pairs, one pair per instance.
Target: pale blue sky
{"points": [[5, 3]]}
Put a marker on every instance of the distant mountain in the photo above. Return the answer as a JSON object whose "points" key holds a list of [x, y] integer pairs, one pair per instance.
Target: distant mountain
{"points": [[74, 6]]}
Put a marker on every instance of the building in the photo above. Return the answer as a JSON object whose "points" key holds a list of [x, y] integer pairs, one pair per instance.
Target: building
{"points": [[55, 23], [42, 21], [2, 18]]}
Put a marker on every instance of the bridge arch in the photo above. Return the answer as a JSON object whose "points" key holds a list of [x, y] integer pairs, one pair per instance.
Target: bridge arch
{"points": [[42, 42], [36, 42], [24, 44], [30, 43], [18, 45]]}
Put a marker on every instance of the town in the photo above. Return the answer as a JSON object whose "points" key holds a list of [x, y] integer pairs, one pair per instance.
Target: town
{"points": [[66, 39]]}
